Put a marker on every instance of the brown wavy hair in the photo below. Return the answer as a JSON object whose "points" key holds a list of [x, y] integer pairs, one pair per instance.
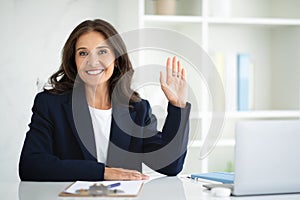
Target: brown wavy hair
{"points": [[64, 79]]}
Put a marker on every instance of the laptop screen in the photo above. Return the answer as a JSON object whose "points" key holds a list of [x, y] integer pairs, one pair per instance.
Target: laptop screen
{"points": [[267, 157]]}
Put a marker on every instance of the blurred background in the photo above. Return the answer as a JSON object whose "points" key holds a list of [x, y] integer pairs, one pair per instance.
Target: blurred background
{"points": [[261, 38]]}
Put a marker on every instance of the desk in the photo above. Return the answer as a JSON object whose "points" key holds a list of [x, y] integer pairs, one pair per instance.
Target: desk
{"points": [[156, 189]]}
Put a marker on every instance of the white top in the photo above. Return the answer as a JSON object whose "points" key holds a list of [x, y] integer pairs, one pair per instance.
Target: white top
{"points": [[101, 120]]}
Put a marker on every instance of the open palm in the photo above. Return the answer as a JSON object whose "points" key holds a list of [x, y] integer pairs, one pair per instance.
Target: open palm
{"points": [[174, 85]]}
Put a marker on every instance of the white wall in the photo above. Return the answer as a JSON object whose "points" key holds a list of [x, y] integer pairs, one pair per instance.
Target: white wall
{"points": [[33, 33]]}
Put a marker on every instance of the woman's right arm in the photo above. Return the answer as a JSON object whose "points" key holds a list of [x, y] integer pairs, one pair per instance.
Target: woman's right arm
{"points": [[38, 161]]}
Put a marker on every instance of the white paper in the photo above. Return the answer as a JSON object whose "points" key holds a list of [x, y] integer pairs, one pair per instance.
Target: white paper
{"points": [[129, 187]]}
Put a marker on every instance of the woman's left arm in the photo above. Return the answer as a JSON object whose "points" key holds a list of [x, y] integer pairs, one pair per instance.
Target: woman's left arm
{"points": [[165, 151]]}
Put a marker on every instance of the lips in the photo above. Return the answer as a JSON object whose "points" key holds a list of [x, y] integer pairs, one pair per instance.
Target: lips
{"points": [[94, 72]]}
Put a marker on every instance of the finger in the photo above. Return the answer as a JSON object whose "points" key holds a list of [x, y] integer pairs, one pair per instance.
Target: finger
{"points": [[134, 173], [183, 74], [169, 68], [141, 176], [181, 71], [138, 176], [161, 78], [129, 175], [145, 177], [174, 65], [122, 174], [179, 68]]}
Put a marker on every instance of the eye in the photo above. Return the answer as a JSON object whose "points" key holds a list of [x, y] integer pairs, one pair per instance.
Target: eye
{"points": [[82, 53], [103, 51]]}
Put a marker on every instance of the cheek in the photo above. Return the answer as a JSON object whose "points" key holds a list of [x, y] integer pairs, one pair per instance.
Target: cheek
{"points": [[111, 68], [110, 71], [79, 62]]}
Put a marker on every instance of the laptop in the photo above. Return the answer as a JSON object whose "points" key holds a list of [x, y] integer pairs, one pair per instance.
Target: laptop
{"points": [[267, 157]]}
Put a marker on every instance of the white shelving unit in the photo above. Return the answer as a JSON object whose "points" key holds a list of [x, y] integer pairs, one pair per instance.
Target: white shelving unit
{"points": [[269, 31]]}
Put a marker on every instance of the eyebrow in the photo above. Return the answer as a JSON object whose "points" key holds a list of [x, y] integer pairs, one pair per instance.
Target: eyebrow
{"points": [[99, 47]]}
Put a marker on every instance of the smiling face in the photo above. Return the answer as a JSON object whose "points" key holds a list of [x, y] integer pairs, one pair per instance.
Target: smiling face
{"points": [[94, 59]]}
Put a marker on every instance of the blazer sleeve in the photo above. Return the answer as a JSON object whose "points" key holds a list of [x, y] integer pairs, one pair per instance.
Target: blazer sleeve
{"points": [[168, 147], [39, 163]]}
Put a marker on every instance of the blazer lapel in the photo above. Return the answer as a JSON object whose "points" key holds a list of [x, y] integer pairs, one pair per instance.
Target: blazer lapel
{"points": [[120, 138], [79, 118]]}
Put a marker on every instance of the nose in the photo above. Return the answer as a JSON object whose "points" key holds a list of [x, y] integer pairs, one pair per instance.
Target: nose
{"points": [[93, 60]]}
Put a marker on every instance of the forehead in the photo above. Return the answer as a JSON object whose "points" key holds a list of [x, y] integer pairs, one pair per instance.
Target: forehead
{"points": [[91, 40]]}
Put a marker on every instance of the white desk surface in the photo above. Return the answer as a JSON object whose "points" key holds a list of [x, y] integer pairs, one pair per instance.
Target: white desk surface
{"points": [[156, 189]]}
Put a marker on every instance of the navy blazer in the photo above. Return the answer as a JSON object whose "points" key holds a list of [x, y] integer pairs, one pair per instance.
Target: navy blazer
{"points": [[54, 150]]}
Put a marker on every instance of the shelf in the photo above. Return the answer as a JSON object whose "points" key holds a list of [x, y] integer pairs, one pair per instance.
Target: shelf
{"points": [[243, 114], [172, 18], [264, 114], [220, 143], [219, 20], [254, 21], [254, 8], [250, 114]]}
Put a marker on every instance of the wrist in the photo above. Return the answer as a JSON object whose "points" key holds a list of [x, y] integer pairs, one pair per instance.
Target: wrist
{"points": [[178, 104]]}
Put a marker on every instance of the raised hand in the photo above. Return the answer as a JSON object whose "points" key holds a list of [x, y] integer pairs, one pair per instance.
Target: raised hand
{"points": [[174, 86]]}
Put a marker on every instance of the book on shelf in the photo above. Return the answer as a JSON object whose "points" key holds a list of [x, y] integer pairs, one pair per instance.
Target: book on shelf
{"points": [[225, 63], [244, 82], [217, 91], [230, 81], [219, 61], [236, 73]]}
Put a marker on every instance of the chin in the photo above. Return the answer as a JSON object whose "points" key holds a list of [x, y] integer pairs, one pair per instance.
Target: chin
{"points": [[94, 83]]}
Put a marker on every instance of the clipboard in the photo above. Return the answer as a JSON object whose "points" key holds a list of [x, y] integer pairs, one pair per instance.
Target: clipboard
{"points": [[81, 189]]}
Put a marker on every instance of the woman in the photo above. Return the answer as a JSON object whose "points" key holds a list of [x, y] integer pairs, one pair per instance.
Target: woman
{"points": [[81, 129]]}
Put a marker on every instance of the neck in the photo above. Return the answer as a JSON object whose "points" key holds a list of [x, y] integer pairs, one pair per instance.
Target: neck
{"points": [[98, 96]]}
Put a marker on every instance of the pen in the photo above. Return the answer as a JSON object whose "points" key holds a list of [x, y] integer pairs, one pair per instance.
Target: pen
{"points": [[113, 185]]}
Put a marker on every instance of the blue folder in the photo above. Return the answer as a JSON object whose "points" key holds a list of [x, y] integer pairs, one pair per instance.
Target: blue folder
{"points": [[223, 177]]}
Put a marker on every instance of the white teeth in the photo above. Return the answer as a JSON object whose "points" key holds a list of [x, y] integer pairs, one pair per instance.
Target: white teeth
{"points": [[94, 72]]}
